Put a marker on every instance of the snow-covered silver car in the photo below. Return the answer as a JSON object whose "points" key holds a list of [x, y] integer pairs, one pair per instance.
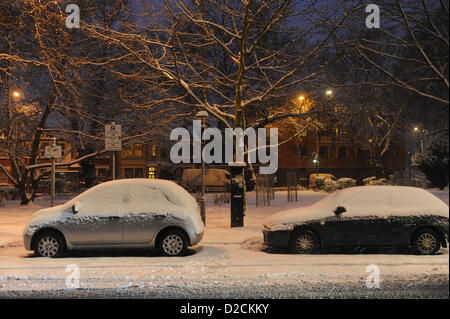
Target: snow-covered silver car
{"points": [[128, 213]]}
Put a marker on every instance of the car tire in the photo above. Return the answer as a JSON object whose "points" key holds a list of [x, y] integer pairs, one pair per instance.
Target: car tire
{"points": [[49, 244], [304, 242], [173, 243], [426, 242]]}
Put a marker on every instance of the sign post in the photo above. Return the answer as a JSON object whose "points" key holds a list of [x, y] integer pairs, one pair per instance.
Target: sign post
{"points": [[113, 143], [53, 151]]}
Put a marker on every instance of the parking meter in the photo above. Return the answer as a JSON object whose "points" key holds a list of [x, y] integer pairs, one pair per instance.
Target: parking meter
{"points": [[237, 193]]}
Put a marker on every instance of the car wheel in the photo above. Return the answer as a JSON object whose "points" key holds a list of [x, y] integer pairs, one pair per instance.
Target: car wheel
{"points": [[305, 242], [173, 243], [49, 244], [426, 242]]}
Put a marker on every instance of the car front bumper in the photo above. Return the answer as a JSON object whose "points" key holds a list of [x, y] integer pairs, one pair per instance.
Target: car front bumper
{"points": [[279, 238], [196, 238]]}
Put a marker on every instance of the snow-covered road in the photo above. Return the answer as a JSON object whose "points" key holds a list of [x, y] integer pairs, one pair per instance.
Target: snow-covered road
{"points": [[227, 263]]}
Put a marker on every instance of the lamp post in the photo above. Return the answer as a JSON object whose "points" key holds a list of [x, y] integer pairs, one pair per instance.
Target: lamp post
{"points": [[15, 96], [202, 116], [316, 163], [418, 131]]}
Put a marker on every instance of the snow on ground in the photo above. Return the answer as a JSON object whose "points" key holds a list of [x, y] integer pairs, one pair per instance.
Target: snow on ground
{"points": [[227, 263]]}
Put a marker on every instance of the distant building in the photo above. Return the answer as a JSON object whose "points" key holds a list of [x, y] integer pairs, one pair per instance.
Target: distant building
{"points": [[338, 153]]}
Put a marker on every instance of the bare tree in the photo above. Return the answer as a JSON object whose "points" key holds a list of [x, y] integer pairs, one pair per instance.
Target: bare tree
{"points": [[227, 57], [66, 88], [410, 48]]}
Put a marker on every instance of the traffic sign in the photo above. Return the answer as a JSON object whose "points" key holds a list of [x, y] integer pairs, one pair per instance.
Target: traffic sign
{"points": [[53, 151], [113, 134]]}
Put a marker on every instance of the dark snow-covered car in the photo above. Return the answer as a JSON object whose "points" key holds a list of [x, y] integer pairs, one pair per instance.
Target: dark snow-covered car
{"points": [[363, 217], [129, 213]]}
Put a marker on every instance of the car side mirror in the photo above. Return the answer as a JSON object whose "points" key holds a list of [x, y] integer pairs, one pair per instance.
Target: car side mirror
{"points": [[339, 210], [76, 207]]}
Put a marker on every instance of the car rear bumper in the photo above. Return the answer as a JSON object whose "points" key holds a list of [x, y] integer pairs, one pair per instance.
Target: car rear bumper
{"points": [[278, 238], [444, 231]]}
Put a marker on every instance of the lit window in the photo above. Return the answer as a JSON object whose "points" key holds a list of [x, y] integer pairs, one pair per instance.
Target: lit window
{"points": [[152, 172], [138, 150]]}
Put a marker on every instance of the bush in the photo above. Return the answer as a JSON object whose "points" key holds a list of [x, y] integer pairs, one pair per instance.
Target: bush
{"points": [[434, 164], [368, 180], [330, 185], [346, 182], [320, 182], [374, 181]]}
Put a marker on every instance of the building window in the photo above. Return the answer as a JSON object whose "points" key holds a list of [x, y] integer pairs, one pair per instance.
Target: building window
{"points": [[152, 172], [101, 173], [138, 172], [127, 151], [153, 150], [342, 152], [128, 173], [323, 152], [136, 150], [3, 178], [303, 151]]}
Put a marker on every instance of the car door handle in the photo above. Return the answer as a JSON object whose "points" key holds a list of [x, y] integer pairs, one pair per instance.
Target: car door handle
{"points": [[114, 217]]}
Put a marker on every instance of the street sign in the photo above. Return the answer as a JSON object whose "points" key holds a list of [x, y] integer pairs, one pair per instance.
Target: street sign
{"points": [[113, 134], [53, 151]]}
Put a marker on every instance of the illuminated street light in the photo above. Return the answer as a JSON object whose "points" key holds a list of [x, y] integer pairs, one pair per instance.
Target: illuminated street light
{"points": [[329, 92], [420, 132], [301, 97], [16, 94]]}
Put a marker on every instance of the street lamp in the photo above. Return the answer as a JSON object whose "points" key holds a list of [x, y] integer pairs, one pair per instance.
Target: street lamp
{"points": [[16, 94], [316, 163], [329, 92], [202, 116], [417, 130], [301, 97]]}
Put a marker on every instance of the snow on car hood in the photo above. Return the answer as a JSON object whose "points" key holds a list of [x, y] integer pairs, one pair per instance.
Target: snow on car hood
{"points": [[45, 217], [363, 201]]}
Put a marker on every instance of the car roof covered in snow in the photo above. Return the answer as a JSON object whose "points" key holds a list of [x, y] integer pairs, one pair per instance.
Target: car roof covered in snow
{"points": [[175, 193], [365, 201]]}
